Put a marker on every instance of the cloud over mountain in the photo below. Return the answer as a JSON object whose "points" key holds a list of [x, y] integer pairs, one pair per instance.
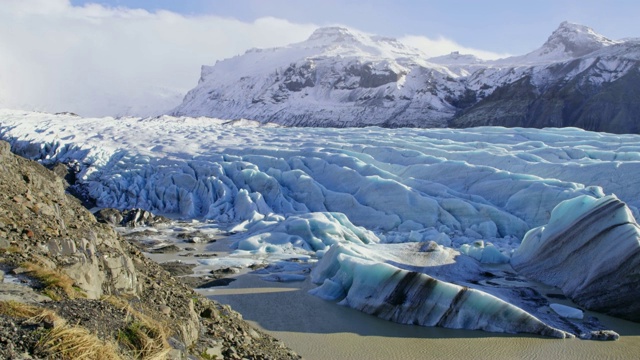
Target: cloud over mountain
{"points": [[95, 60]]}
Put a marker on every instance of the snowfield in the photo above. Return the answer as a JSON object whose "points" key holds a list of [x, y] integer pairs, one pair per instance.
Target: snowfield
{"points": [[361, 200]]}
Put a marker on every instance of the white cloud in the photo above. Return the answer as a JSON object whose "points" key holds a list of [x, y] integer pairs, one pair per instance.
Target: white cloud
{"points": [[443, 46], [99, 61], [96, 60]]}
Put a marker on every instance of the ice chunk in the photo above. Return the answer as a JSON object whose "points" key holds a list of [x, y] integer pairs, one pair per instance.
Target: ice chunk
{"points": [[567, 311], [591, 250], [308, 232], [283, 277], [485, 253], [345, 274]]}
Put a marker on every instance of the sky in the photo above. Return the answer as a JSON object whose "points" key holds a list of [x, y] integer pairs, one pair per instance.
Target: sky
{"points": [[139, 57]]}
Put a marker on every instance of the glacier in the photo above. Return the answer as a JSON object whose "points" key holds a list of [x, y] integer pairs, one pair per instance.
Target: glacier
{"points": [[455, 204]]}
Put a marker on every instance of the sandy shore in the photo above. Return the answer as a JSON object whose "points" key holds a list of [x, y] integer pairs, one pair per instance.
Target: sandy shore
{"points": [[319, 329]]}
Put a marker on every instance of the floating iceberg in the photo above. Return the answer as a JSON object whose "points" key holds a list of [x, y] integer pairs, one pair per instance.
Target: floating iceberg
{"points": [[409, 297]]}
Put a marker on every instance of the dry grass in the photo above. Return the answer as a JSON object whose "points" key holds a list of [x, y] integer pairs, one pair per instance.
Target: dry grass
{"points": [[63, 340], [146, 342], [53, 280], [76, 342], [144, 336], [19, 310], [11, 250]]}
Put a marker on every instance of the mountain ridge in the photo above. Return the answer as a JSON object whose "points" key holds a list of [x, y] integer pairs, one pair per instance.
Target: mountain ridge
{"points": [[341, 77]]}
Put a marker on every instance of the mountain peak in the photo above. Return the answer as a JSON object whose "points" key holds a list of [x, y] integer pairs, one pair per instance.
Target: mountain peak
{"points": [[455, 58], [568, 41], [333, 34], [575, 40], [347, 42]]}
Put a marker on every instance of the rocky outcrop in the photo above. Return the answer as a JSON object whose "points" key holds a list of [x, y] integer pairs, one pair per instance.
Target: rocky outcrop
{"points": [[39, 217], [579, 102], [129, 218], [61, 254], [591, 250]]}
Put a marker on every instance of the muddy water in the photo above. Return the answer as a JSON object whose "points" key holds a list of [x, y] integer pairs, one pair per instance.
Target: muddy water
{"points": [[319, 329]]}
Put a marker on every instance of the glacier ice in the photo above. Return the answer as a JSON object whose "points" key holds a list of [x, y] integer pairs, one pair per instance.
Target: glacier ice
{"points": [[485, 253], [472, 181], [414, 291], [591, 250], [312, 232], [567, 311], [387, 198]]}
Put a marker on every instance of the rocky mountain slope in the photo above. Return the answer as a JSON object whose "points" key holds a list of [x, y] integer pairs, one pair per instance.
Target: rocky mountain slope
{"points": [[340, 77], [59, 266]]}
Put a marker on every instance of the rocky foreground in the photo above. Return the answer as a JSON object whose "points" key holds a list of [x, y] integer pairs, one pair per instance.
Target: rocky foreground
{"points": [[71, 287]]}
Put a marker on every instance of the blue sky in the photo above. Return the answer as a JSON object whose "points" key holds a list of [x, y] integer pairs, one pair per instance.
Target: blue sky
{"points": [[500, 26], [115, 57]]}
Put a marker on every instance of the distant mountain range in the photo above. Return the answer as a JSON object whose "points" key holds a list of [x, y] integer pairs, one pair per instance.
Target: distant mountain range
{"points": [[340, 77]]}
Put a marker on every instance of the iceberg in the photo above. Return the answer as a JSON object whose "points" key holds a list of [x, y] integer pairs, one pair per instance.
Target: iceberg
{"points": [[591, 250], [436, 286], [410, 297]]}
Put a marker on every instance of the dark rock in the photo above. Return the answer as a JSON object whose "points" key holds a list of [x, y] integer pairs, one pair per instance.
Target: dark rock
{"points": [[297, 78], [65, 172], [608, 107], [129, 218], [165, 249], [109, 216], [216, 282], [176, 268]]}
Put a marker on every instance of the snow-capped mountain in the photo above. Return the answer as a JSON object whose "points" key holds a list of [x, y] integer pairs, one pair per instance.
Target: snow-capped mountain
{"points": [[568, 41], [340, 77]]}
